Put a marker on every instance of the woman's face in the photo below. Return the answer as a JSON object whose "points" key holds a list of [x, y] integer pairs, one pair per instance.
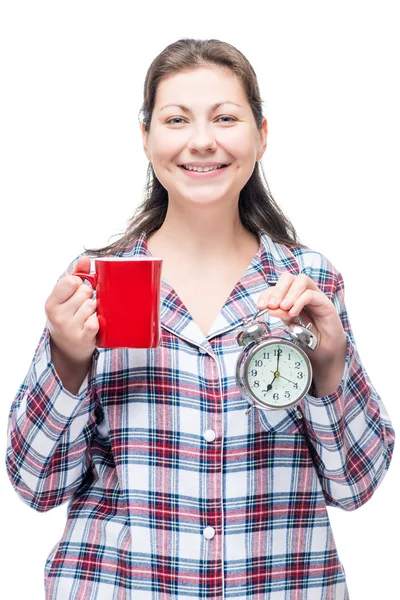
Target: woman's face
{"points": [[226, 134]]}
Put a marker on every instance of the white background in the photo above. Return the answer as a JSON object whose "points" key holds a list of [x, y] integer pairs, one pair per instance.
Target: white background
{"points": [[73, 171]]}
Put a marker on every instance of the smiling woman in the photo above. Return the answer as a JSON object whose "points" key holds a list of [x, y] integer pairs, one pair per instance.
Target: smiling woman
{"points": [[192, 139], [175, 490], [202, 105]]}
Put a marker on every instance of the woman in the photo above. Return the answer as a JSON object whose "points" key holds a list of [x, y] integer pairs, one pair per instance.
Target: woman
{"points": [[174, 490]]}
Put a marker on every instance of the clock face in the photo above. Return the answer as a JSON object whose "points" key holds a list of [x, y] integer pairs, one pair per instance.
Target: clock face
{"points": [[278, 373]]}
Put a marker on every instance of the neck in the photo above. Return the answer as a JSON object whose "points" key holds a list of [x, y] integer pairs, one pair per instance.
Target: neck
{"points": [[207, 237]]}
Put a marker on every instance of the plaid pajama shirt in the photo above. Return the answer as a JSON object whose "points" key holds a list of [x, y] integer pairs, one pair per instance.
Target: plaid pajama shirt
{"points": [[174, 492]]}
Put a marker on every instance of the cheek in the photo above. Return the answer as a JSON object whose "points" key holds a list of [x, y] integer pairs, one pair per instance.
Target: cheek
{"points": [[166, 147], [247, 147], [239, 146]]}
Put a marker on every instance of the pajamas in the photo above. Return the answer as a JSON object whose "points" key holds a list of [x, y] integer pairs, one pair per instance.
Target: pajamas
{"points": [[173, 491]]}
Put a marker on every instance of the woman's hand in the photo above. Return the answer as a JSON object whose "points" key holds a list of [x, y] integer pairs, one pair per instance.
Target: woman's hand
{"points": [[71, 318], [296, 295]]}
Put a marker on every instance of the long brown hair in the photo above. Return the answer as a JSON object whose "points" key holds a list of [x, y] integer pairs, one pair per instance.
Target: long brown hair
{"points": [[257, 208]]}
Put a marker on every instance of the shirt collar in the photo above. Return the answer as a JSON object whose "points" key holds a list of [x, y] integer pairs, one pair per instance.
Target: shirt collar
{"points": [[265, 268]]}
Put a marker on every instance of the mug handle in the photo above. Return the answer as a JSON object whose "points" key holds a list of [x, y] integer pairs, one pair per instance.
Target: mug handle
{"points": [[91, 278]]}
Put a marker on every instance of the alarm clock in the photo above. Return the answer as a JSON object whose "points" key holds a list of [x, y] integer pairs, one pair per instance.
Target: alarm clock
{"points": [[273, 371]]}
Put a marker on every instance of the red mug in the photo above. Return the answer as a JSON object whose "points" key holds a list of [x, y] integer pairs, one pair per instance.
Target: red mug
{"points": [[128, 301]]}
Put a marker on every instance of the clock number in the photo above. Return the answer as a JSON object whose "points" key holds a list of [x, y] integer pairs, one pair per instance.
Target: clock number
{"points": [[253, 373], [258, 363], [287, 394], [300, 375], [276, 396], [277, 352], [256, 383], [297, 365]]}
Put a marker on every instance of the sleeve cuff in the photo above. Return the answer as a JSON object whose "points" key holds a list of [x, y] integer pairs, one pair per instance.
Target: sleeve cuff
{"points": [[329, 398], [65, 403]]}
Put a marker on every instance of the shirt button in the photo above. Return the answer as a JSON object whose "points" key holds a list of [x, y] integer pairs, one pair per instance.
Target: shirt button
{"points": [[209, 533], [209, 435], [298, 414], [202, 351]]}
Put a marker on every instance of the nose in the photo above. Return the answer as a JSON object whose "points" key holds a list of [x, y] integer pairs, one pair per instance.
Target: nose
{"points": [[202, 138]]}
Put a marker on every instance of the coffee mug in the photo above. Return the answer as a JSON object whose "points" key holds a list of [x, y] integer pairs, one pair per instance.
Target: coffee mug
{"points": [[128, 301]]}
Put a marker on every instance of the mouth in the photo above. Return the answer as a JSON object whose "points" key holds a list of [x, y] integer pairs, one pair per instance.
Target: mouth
{"points": [[207, 171], [208, 174], [218, 166]]}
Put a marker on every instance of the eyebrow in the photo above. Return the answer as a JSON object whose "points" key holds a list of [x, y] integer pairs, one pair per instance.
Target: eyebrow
{"points": [[213, 106]]}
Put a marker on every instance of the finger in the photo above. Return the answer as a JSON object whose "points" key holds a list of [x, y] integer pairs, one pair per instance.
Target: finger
{"points": [[81, 295], [315, 302], [67, 297], [63, 290], [82, 265], [68, 285], [85, 310], [283, 315], [300, 284], [286, 291], [91, 325], [274, 294]]}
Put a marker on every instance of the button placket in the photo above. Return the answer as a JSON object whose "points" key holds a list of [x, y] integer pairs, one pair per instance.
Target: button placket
{"points": [[209, 435]]}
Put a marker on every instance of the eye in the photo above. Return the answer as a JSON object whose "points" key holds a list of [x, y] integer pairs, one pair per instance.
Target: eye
{"points": [[181, 119], [174, 119], [231, 118]]}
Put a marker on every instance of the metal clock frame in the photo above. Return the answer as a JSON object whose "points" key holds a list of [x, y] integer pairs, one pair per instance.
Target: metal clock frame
{"points": [[242, 368]]}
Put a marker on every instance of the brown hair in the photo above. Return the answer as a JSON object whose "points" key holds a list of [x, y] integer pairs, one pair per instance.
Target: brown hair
{"points": [[257, 208]]}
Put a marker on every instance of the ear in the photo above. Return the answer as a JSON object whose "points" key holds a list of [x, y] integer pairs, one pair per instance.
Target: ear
{"points": [[145, 137], [263, 139]]}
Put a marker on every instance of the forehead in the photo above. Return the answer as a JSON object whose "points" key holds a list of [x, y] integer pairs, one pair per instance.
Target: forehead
{"points": [[201, 86]]}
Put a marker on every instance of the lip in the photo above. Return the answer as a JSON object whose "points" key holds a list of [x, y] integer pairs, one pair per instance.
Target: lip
{"points": [[207, 175], [203, 164]]}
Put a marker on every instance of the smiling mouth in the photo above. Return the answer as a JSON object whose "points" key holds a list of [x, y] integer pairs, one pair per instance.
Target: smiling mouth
{"points": [[201, 171]]}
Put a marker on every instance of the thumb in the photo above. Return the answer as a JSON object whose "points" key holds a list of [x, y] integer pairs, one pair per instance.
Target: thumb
{"points": [[83, 265]]}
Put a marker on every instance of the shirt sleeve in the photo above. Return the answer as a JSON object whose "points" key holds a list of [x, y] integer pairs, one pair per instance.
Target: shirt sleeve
{"points": [[49, 431], [350, 435]]}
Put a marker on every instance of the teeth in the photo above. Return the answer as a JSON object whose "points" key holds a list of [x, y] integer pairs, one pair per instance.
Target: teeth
{"points": [[202, 169]]}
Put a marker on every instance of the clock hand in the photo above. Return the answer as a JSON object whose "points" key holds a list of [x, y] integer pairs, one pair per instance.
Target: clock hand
{"points": [[290, 381], [269, 386]]}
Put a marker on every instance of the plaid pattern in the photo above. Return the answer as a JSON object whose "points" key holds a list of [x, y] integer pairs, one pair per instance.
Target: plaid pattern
{"points": [[160, 510]]}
